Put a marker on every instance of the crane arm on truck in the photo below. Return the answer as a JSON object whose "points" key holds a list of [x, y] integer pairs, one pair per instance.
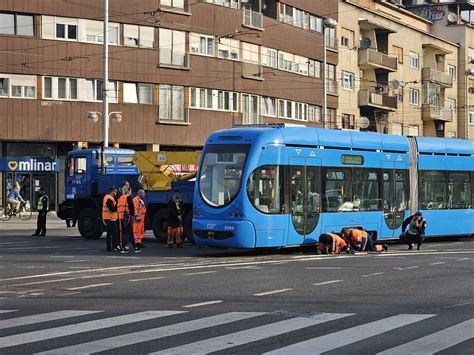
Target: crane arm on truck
{"points": [[158, 169]]}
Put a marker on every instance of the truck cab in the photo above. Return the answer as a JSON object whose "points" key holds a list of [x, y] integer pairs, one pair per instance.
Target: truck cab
{"points": [[85, 185]]}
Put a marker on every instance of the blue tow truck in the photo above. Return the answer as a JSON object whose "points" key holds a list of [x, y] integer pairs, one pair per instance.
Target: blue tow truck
{"points": [[91, 172]]}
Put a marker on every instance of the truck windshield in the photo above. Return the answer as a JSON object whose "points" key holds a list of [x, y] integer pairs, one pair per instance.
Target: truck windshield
{"points": [[221, 173]]}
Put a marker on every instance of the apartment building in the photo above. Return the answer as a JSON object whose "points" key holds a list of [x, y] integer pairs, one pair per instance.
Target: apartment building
{"points": [[396, 77], [179, 70], [453, 20]]}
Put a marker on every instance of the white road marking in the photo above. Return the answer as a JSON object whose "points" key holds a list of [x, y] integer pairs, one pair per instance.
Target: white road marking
{"points": [[69, 294], [76, 261], [272, 292], [435, 342], [30, 248], [153, 334], [374, 274], [39, 318], [149, 278], [345, 337], [463, 259], [43, 282], [62, 256], [88, 286], [78, 328], [202, 304], [200, 273], [244, 268], [406, 268], [251, 335], [438, 263], [2, 311], [31, 267], [327, 282], [323, 268]]}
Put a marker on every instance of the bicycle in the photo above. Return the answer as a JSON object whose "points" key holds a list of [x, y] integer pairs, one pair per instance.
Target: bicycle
{"points": [[24, 212]]}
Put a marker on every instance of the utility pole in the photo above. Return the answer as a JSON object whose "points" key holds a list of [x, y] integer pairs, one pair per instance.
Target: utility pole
{"points": [[105, 86], [327, 23]]}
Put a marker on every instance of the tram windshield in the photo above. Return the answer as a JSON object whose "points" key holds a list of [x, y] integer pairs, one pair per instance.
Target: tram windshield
{"points": [[220, 177]]}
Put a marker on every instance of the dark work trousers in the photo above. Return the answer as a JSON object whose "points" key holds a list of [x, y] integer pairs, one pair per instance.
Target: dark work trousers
{"points": [[41, 224], [112, 234], [126, 233], [408, 238]]}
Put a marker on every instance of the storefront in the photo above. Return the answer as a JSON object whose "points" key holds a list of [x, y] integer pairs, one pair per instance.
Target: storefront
{"points": [[31, 174]]}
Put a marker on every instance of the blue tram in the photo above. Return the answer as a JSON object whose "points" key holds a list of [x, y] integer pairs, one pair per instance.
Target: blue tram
{"points": [[279, 185]]}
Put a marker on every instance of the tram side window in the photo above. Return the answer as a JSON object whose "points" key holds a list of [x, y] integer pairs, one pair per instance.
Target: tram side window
{"points": [[337, 190], [366, 194], [433, 192], [265, 189], [401, 193], [459, 190], [77, 165], [109, 160]]}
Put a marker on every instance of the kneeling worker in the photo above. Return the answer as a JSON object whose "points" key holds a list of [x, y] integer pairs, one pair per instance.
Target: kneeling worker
{"points": [[360, 240], [331, 243]]}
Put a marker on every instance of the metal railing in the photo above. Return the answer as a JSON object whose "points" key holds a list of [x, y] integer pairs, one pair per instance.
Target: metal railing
{"points": [[171, 58]]}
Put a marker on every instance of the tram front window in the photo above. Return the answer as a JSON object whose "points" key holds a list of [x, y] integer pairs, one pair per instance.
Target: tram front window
{"points": [[220, 178]]}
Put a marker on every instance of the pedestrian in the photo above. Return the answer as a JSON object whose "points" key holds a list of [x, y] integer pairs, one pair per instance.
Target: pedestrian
{"points": [[110, 216], [139, 220], [360, 240], [331, 243], [125, 214], [42, 206], [175, 220], [125, 183], [416, 230]]}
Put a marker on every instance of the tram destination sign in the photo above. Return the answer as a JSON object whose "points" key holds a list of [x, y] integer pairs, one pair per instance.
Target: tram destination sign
{"points": [[348, 159], [44, 165]]}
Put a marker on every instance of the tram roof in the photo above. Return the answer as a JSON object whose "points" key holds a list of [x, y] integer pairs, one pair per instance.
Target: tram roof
{"points": [[444, 146]]}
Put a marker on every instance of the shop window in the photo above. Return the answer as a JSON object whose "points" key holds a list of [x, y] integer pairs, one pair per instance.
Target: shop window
{"points": [[265, 189]]}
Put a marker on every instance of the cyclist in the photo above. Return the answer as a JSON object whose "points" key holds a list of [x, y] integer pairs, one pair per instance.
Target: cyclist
{"points": [[14, 198]]}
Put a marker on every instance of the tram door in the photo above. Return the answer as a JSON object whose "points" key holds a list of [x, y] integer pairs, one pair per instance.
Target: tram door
{"points": [[395, 198], [304, 176]]}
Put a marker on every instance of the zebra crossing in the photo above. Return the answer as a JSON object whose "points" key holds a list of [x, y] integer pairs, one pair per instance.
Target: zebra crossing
{"points": [[162, 332]]}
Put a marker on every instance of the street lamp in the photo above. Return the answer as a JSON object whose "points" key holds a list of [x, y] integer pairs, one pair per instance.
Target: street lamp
{"points": [[327, 23], [93, 117]]}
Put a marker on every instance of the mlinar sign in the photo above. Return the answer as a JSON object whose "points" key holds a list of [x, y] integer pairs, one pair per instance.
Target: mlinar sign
{"points": [[29, 165]]}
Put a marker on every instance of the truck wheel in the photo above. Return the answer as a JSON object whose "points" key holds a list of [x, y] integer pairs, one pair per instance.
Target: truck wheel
{"points": [[89, 224], [188, 227], [160, 225]]}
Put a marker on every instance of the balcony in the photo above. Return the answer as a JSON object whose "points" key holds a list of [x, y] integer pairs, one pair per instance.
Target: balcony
{"points": [[432, 112], [252, 19], [370, 59], [438, 77], [373, 99], [332, 87], [173, 59]]}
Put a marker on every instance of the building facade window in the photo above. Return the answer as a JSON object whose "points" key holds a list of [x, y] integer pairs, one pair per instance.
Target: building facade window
{"points": [[292, 110], [299, 18], [452, 71], [347, 38], [173, 48], [397, 128], [433, 94], [250, 53], [452, 104], [233, 4], [201, 44], [94, 90], [17, 24], [171, 101], [331, 38], [269, 106], [177, 5], [137, 93], [138, 36], [470, 55], [249, 109], [56, 88], [228, 49], [212, 99], [398, 52], [348, 121], [269, 57], [414, 97], [471, 117], [414, 60], [348, 80], [18, 86], [314, 113]]}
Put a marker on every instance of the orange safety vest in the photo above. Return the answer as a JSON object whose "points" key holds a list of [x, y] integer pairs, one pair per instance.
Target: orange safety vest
{"points": [[140, 208], [122, 207], [108, 215], [357, 236], [338, 243]]}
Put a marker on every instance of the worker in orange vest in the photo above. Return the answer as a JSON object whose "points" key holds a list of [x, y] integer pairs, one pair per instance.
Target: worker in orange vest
{"points": [[110, 216], [139, 222], [331, 243], [125, 213], [360, 240]]}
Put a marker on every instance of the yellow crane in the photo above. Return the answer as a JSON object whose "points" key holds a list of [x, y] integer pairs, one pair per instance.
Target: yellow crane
{"points": [[158, 169]]}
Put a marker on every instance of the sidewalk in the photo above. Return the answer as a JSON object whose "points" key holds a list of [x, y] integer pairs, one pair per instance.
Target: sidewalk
{"points": [[16, 224]]}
